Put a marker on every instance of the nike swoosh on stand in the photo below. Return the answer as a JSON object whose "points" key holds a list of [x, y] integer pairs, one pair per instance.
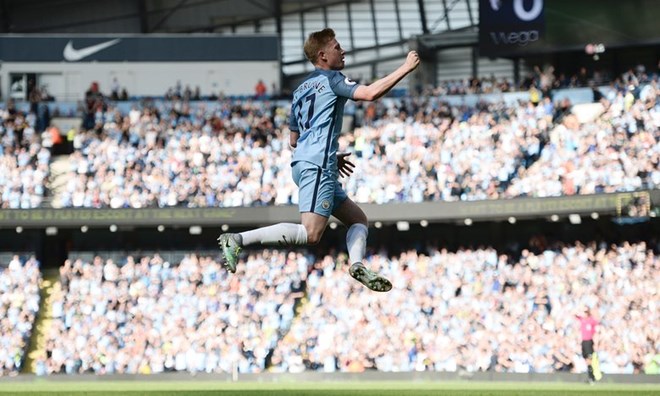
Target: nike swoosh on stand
{"points": [[71, 54]]}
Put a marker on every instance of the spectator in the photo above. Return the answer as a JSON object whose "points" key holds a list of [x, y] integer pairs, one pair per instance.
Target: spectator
{"points": [[24, 161], [114, 89], [588, 327], [420, 149], [145, 315], [472, 309], [260, 90], [477, 310], [19, 304]]}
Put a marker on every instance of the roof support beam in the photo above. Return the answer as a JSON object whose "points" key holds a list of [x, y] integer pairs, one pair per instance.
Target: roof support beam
{"points": [[444, 6], [372, 9], [469, 10], [278, 28], [422, 16], [169, 14], [350, 24], [5, 22], [144, 18], [398, 19], [302, 27], [325, 16], [259, 5]]}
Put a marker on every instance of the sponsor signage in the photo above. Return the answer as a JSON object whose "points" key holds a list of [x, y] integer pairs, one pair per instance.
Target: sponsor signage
{"points": [[510, 26], [137, 48], [431, 211], [522, 27]]}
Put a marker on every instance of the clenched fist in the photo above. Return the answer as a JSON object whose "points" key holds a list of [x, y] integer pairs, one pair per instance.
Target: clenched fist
{"points": [[412, 61]]}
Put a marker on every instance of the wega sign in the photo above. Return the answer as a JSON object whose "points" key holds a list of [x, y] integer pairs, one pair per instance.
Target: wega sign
{"points": [[507, 27]]}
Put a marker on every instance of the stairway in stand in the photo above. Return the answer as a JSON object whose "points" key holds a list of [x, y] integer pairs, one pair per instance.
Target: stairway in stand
{"points": [[60, 174], [48, 289]]}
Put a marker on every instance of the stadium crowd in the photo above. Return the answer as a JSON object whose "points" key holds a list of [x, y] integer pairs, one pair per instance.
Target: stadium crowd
{"points": [[618, 151], [19, 304], [465, 310], [544, 79], [480, 309], [24, 160], [408, 150], [160, 158], [146, 315], [234, 152]]}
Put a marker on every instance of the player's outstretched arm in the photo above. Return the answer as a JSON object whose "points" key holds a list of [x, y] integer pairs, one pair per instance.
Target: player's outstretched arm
{"points": [[380, 87]]}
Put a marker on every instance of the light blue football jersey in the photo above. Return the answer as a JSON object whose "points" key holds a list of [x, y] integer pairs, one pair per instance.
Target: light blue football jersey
{"points": [[317, 112]]}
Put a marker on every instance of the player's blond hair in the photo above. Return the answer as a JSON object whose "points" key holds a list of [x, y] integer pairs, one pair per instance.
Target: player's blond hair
{"points": [[317, 41]]}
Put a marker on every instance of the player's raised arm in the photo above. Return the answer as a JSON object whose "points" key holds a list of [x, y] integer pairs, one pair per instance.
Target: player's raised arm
{"points": [[380, 87]]}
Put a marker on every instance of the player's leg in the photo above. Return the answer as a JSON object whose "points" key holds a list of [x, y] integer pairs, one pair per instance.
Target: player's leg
{"points": [[315, 197], [356, 241], [314, 225], [282, 234], [590, 370], [352, 216], [587, 352]]}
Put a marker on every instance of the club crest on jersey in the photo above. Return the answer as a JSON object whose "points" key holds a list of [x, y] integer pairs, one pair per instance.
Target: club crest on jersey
{"points": [[348, 81], [325, 204]]}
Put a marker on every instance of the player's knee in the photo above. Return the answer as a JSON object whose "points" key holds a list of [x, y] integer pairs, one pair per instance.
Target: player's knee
{"points": [[361, 219]]}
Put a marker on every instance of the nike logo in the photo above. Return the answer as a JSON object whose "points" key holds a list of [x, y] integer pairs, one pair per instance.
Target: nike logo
{"points": [[71, 54]]}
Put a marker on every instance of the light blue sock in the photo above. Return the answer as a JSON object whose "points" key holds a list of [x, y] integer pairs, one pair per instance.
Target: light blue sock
{"points": [[356, 241]]}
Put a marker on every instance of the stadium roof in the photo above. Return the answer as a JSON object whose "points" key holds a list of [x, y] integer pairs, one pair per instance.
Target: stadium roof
{"points": [[375, 33], [143, 16]]}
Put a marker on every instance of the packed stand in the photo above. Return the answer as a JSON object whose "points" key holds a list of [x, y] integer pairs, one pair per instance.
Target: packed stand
{"points": [[466, 310], [235, 153], [146, 315], [19, 304], [618, 151], [231, 155], [481, 310], [423, 150], [24, 160], [542, 78]]}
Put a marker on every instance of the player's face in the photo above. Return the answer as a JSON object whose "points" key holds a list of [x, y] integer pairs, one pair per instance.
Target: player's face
{"points": [[334, 55]]}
